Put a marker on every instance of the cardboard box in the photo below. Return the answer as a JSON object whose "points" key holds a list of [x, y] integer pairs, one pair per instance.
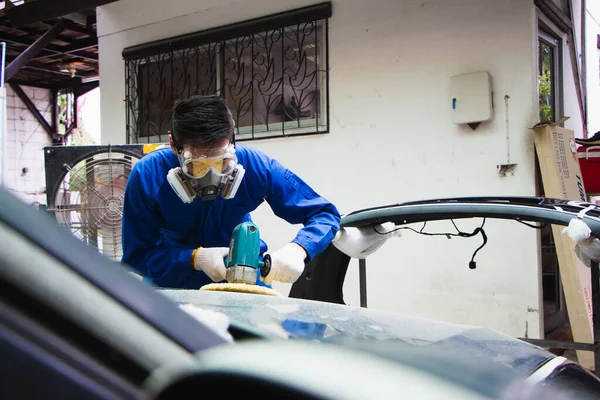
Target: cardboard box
{"points": [[562, 179]]}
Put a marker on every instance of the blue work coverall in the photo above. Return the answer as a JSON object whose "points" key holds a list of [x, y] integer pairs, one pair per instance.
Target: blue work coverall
{"points": [[160, 231]]}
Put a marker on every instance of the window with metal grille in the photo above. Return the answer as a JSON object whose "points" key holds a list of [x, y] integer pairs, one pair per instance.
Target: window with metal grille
{"points": [[272, 71]]}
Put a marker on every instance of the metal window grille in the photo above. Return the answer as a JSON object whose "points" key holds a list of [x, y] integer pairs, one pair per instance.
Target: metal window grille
{"points": [[273, 73]]}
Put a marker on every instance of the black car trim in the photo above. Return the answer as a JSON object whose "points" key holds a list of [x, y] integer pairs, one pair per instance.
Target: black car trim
{"points": [[74, 349], [524, 209], [545, 369], [111, 277], [574, 380]]}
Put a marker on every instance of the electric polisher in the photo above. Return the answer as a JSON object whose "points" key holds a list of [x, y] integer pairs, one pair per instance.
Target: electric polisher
{"points": [[243, 262]]}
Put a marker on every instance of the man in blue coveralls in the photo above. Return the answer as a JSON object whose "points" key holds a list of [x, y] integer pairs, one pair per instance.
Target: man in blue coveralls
{"points": [[182, 203]]}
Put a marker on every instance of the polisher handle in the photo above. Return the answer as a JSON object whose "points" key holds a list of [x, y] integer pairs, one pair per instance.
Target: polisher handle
{"points": [[266, 267]]}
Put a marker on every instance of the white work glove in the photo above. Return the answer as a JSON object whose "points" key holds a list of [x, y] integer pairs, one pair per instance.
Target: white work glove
{"points": [[577, 230], [364, 241], [287, 264], [211, 261], [586, 246]]}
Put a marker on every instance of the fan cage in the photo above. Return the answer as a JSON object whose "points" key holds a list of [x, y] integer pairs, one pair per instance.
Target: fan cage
{"points": [[88, 199]]}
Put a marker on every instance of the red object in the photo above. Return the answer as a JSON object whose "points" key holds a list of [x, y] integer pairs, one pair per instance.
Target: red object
{"points": [[589, 162]]}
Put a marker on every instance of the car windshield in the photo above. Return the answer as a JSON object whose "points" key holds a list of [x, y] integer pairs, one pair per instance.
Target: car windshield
{"points": [[387, 332]]}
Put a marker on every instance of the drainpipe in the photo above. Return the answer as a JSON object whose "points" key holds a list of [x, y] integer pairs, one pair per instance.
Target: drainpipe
{"points": [[2, 112], [584, 64], [576, 62]]}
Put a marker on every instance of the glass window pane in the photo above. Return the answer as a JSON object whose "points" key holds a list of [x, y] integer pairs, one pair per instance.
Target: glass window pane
{"points": [[167, 77], [273, 77], [274, 81], [547, 76]]}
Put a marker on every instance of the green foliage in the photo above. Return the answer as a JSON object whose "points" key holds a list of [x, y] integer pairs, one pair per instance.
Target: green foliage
{"points": [[545, 84], [546, 93]]}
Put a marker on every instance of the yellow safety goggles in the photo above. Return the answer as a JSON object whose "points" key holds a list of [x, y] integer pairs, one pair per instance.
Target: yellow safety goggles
{"points": [[196, 163]]}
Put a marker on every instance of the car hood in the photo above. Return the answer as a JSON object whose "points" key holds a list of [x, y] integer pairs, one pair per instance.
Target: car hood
{"points": [[422, 342]]}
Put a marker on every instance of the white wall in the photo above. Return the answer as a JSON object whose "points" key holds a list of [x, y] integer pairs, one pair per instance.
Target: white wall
{"points": [[593, 65], [392, 138], [25, 139]]}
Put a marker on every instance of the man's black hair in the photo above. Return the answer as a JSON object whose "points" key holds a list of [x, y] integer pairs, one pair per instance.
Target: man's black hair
{"points": [[201, 120]]}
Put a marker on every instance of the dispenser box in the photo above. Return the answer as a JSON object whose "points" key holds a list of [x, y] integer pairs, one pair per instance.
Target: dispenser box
{"points": [[471, 98], [589, 161]]}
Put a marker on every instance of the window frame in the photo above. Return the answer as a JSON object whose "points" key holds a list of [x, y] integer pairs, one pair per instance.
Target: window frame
{"points": [[317, 15], [598, 53], [551, 39], [550, 32]]}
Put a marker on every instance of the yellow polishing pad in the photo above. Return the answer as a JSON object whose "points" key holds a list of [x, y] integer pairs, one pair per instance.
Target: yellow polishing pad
{"points": [[241, 288]]}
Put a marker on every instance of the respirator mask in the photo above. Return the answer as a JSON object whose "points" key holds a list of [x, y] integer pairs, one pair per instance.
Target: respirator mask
{"points": [[206, 174]]}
